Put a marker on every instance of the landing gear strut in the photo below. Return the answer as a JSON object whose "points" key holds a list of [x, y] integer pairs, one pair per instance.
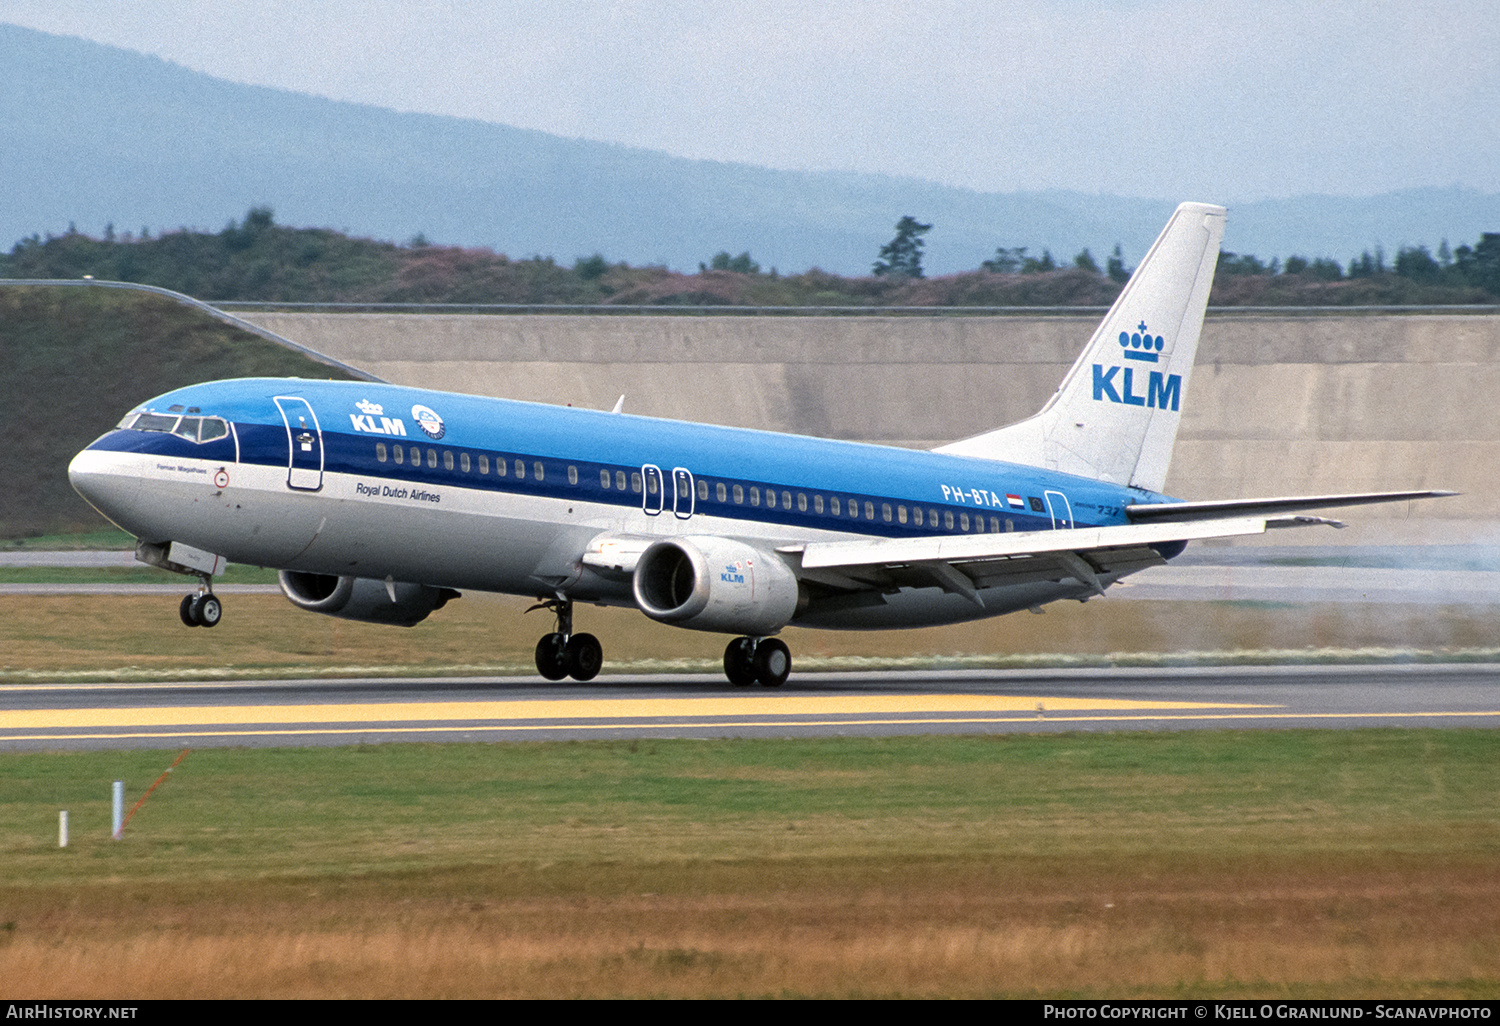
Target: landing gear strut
{"points": [[563, 653], [201, 609], [748, 660]]}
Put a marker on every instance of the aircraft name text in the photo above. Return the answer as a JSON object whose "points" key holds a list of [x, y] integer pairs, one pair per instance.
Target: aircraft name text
{"points": [[379, 491]]}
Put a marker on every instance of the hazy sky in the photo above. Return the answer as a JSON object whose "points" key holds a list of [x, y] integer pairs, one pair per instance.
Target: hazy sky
{"points": [[1165, 99]]}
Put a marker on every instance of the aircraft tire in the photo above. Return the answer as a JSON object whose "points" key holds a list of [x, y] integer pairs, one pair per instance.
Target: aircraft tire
{"points": [[738, 666], [186, 611], [773, 662], [584, 657], [552, 656], [207, 610]]}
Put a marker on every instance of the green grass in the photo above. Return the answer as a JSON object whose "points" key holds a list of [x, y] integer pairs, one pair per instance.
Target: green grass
{"points": [[1145, 799], [103, 540], [234, 573], [1284, 864]]}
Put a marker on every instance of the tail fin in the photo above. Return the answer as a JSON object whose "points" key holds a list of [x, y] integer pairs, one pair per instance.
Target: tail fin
{"points": [[1115, 415]]}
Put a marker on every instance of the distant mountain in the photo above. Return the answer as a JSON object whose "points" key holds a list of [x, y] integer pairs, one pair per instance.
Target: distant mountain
{"points": [[92, 135]]}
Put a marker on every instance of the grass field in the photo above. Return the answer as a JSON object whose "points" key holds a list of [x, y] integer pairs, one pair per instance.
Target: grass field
{"points": [[1295, 864], [130, 636]]}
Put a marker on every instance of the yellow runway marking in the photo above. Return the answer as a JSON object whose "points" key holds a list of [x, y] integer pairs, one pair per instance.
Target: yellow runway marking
{"points": [[572, 709], [719, 725]]}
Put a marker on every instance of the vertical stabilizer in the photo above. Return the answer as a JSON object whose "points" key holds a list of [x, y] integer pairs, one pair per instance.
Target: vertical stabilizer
{"points": [[1115, 415]]}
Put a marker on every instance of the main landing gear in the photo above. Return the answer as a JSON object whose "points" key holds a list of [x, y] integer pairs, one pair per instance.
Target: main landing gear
{"points": [[563, 653], [748, 660], [201, 609]]}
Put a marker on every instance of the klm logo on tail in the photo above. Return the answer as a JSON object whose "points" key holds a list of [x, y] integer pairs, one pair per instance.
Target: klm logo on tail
{"points": [[1162, 391]]}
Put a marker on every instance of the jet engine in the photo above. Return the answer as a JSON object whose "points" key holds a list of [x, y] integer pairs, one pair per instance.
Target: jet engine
{"points": [[362, 598], [716, 584]]}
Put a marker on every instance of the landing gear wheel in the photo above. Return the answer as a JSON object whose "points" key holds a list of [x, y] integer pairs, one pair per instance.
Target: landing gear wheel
{"points": [[773, 662], [186, 611], [738, 666], [206, 610], [584, 656], [552, 656]]}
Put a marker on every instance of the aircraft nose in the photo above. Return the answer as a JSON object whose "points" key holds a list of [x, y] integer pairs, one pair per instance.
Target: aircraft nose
{"points": [[107, 487]]}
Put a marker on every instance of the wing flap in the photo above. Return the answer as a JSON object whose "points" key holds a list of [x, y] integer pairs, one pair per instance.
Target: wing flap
{"points": [[1180, 512]]}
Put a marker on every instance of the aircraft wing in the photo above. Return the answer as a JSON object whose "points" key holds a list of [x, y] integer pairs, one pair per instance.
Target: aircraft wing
{"points": [[1179, 512], [966, 564]]}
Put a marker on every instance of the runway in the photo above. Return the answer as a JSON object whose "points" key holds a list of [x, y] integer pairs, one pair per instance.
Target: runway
{"points": [[303, 713]]}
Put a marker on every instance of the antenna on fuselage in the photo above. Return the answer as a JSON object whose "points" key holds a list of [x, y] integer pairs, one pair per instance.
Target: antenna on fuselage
{"points": [[619, 405]]}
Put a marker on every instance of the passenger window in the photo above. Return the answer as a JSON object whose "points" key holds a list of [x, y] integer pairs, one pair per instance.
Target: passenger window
{"points": [[635, 481], [484, 464], [683, 488], [834, 506], [703, 490], [1010, 525], [739, 495], [901, 514], [948, 519], [721, 492], [754, 496], [463, 462], [432, 459], [786, 500], [963, 521], [916, 515], [802, 502], [817, 504], [651, 484], [572, 474], [869, 510], [520, 470], [885, 512], [620, 480], [536, 470], [380, 453], [500, 466], [447, 459], [400, 455], [604, 480]]}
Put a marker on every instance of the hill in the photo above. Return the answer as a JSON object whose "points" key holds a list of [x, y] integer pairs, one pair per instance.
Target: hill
{"points": [[95, 135], [77, 360]]}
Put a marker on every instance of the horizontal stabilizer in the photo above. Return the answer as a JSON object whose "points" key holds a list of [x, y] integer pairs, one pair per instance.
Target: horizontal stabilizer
{"points": [[1219, 509]]}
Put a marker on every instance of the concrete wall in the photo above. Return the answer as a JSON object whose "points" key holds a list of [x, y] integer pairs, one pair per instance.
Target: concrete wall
{"points": [[1278, 404]]}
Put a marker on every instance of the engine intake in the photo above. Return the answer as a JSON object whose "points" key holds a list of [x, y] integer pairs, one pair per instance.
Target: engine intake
{"points": [[716, 584], [363, 598]]}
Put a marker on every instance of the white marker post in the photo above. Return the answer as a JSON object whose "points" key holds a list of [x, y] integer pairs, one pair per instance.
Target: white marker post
{"points": [[62, 828], [118, 818]]}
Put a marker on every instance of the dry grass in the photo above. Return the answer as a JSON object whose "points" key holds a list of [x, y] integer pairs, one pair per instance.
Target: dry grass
{"points": [[264, 635], [943, 929]]}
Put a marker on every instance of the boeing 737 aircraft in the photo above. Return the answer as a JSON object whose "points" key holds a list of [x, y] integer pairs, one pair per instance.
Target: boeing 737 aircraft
{"points": [[381, 503]]}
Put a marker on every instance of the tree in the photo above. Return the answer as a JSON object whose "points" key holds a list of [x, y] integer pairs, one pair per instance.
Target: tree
{"points": [[1005, 261], [741, 264], [902, 256], [1085, 262], [1115, 267]]}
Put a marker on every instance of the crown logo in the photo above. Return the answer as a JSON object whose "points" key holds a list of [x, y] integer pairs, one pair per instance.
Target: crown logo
{"points": [[1142, 345], [373, 409]]}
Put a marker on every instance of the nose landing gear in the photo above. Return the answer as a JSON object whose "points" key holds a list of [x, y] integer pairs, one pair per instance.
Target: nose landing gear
{"points": [[563, 653]]}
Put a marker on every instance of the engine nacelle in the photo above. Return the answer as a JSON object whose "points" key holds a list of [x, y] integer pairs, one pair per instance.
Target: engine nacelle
{"points": [[716, 584], [363, 598]]}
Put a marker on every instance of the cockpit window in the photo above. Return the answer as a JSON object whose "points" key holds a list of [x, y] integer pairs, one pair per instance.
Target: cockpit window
{"points": [[194, 429]]}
